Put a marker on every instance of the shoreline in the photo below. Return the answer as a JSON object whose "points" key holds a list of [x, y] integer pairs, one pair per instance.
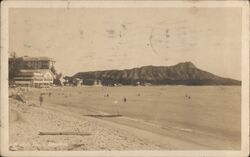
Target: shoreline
{"points": [[26, 121], [70, 109]]}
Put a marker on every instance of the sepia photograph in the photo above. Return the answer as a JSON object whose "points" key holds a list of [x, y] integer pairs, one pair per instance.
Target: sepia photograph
{"points": [[120, 77]]}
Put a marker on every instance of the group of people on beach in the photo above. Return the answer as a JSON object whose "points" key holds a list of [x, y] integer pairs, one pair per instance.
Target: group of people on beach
{"points": [[41, 97], [106, 95], [124, 98]]}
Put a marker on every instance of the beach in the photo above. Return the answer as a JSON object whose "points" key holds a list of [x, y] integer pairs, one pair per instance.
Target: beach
{"points": [[151, 118]]}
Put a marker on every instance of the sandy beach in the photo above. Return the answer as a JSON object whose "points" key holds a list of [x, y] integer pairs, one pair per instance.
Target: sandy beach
{"points": [[28, 119]]}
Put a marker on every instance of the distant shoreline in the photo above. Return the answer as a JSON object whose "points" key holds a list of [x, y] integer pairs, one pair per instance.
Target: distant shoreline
{"points": [[185, 73]]}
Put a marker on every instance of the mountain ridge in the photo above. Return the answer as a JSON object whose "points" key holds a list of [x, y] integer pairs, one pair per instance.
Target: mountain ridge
{"points": [[184, 73]]}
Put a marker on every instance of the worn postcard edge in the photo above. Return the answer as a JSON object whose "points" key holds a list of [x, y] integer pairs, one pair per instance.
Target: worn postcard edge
{"points": [[5, 5]]}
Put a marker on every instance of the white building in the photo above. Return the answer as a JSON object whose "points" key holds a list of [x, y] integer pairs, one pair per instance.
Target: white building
{"points": [[37, 78]]}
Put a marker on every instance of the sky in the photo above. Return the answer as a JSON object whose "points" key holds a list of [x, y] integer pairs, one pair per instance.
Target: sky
{"points": [[89, 39]]}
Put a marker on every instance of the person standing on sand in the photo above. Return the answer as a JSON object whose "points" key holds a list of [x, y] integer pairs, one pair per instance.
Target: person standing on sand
{"points": [[41, 99], [124, 99]]}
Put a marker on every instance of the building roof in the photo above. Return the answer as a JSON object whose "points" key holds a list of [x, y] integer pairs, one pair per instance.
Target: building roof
{"points": [[27, 58]]}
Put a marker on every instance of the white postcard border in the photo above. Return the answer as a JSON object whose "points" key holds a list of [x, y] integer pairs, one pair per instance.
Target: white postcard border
{"points": [[121, 4]]}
